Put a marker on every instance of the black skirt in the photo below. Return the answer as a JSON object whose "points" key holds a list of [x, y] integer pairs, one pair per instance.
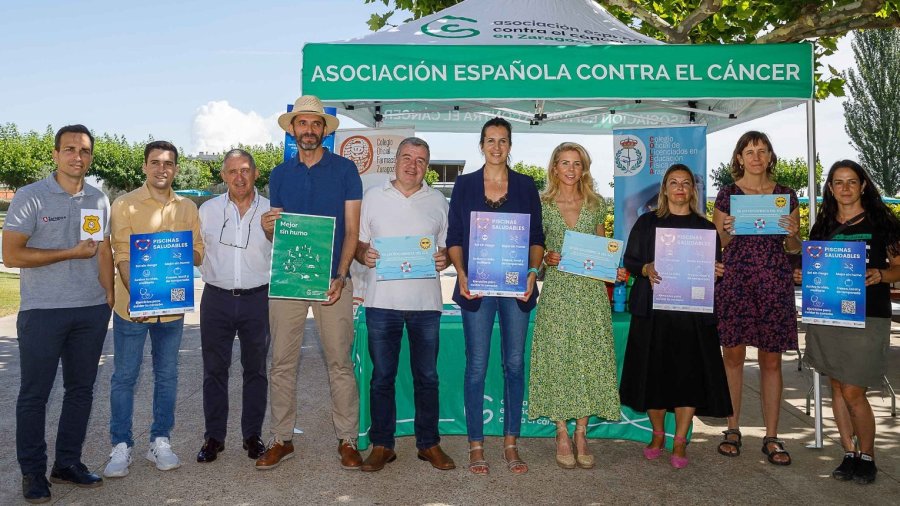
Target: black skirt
{"points": [[673, 360]]}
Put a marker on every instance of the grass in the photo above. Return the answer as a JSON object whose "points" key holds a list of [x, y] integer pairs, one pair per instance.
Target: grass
{"points": [[9, 293]]}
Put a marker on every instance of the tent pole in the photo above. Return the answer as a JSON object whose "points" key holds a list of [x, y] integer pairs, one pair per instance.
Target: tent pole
{"points": [[811, 165]]}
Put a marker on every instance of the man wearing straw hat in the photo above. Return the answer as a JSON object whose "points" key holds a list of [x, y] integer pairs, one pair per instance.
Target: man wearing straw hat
{"points": [[321, 183]]}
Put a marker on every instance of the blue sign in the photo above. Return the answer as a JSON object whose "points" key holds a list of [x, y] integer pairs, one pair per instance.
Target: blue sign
{"points": [[641, 157], [498, 253], [406, 257], [759, 214], [590, 255], [834, 283], [290, 144], [685, 259], [161, 278]]}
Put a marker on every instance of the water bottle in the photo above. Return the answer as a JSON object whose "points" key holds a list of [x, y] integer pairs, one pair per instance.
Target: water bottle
{"points": [[619, 297]]}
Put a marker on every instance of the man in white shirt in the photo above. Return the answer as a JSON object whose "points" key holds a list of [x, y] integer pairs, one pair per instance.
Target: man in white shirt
{"points": [[235, 301], [404, 206]]}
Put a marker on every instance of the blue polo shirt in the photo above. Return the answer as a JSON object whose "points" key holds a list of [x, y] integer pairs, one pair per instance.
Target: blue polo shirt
{"points": [[319, 190]]}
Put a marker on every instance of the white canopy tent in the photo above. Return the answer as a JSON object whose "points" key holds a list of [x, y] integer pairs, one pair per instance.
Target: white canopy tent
{"points": [[554, 66]]}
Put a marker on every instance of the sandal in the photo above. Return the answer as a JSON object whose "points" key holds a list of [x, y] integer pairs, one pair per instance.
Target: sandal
{"points": [[479, 467], [736, 444], [515, 466], [654, 453], [584, 460], [778, 450], [676, 461], [564, 461]]}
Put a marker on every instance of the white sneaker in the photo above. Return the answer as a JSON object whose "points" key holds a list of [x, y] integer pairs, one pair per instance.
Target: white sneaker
{"points": [[160, 453], [119, 460]]}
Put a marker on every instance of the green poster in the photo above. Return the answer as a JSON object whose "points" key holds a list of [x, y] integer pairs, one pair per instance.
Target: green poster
{"points": [[302, 248]]}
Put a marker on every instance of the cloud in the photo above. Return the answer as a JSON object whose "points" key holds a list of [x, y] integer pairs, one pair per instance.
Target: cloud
{"points": [[217, 127]]}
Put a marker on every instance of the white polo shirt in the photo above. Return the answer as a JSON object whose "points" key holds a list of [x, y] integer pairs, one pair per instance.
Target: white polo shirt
{"points": [[385, 213], [238, 255]]}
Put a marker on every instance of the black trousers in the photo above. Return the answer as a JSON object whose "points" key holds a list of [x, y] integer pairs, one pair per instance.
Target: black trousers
{"points": [[222, 316], [73, 336]]}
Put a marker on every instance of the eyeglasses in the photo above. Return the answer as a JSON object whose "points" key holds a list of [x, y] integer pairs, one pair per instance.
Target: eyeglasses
{"points": [[226, 219]]}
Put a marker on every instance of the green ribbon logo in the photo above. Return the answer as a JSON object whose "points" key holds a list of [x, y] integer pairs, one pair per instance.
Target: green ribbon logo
{"points": [[448, 27]]}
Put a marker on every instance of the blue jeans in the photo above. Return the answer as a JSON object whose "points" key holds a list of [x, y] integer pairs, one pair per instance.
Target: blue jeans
{"points": [[478, 327], [385, 328], [129, 338]]}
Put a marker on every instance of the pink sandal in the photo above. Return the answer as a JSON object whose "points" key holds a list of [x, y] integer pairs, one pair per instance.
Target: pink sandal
{"points": [[654, 453]]}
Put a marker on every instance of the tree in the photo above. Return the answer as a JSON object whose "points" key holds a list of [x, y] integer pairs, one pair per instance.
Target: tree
{"points": [[431, 177], [539, 174], [792, 173], [118, 162], [726, 21], [24, 158], [872, 114]]}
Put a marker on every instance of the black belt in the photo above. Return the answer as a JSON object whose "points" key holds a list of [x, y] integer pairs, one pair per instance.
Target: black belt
{"points": [[237, 292]]}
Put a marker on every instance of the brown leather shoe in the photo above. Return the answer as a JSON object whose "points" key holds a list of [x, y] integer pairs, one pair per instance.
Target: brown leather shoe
{"points": [[378, 457], [350, 457], [437, 458], [275, 454]]}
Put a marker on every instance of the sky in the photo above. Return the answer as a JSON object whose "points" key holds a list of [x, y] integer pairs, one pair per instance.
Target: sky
{"points": [[208, 75]]}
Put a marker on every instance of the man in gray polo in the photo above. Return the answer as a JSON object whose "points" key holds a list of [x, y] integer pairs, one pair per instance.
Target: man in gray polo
{"points": [[66, 300]]}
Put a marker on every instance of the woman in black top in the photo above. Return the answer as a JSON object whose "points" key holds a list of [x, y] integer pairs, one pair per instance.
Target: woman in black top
{"points": [[856, 358]]}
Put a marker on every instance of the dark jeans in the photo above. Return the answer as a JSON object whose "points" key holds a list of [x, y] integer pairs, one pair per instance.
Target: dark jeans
{"points": [[385, 328], [75, 336], [222, 315]]}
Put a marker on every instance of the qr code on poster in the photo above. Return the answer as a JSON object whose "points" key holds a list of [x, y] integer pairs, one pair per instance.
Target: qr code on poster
{"points": [[848, 307], [177, 294], [512, 278]]}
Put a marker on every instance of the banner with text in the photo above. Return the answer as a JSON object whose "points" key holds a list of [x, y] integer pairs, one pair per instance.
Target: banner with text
{"points": [[373, 150]]}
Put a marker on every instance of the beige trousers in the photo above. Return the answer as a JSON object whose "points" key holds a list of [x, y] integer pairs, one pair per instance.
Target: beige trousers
{"points": [[287, 320]]}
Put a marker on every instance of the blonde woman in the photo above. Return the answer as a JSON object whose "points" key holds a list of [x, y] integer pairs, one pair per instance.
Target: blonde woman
{"points": [[573, 360]]}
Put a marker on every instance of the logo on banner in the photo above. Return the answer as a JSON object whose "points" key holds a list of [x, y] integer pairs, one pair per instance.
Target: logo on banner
{"points": [[425, 243], [358, 150], [629, 156], [448, 27]]}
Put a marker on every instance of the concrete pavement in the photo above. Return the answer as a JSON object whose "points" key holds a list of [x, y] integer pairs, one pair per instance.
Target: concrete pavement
{"points": [[314, 476]]}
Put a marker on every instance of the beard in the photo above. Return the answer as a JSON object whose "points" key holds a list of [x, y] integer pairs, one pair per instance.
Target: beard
{"points": [[305, 144]]}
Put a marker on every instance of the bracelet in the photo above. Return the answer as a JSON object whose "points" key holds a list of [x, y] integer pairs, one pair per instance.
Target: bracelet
{"points": [[644, 271], [789, 251], [535, 271]]}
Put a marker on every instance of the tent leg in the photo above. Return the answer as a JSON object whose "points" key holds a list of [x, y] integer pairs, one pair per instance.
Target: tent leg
{"points": [[811, 164]]}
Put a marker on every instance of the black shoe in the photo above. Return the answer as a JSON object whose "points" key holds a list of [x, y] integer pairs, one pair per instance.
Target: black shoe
{"points": [[35, 488], [844, 472], [254, 446], [865, 471], [210, 450], [76, 474]]}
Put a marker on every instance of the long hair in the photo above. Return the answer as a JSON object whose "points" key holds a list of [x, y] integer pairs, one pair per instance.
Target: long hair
{"points": [[662, 203], [877, 212], [585, 186], [751, 137]]}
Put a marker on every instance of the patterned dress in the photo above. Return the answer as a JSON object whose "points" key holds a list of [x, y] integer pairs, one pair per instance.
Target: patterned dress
{"points": [[755, 299], [573, 358]]}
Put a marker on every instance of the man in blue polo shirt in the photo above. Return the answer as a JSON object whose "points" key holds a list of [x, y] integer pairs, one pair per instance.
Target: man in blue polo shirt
{"points": [[320, 183]]}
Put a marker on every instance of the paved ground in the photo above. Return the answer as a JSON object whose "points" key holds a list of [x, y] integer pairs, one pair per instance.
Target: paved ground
{"points": [[314, 477]]}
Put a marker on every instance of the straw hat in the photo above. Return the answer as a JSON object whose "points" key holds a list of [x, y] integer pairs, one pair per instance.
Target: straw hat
{"points": [[308, 104]]}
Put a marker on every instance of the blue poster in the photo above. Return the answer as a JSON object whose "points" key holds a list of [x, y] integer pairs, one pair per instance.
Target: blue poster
{"points": [[590, 255], [405, 257], [161, 280], [685, 259], [834, 283], [641, 157], [759, 214], [498, 253]]}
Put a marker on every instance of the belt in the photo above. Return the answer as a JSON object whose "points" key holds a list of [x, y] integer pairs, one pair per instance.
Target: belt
{"points": [[237, 292]]}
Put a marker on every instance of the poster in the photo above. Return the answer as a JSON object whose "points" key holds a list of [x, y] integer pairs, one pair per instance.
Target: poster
{"points": [[834, 283], [373, 150], [302, 247], [641, 157], [685, 259], [498, 253], [590, 255], [405, 257], [161, 274], [759, 214]]}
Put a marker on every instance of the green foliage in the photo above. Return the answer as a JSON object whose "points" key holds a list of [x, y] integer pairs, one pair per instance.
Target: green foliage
{"points": [[872, 113], [24, 158], [723, 22], [538, 173], [118, 162], [192, 175], [792, 173], [431, 177]]}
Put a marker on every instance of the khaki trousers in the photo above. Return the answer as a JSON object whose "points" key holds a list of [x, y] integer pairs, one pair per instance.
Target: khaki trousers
{"points": [[287, 320]]}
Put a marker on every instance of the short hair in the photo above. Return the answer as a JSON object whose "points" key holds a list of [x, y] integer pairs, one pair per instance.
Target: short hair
{"points": [[414, 141], [238, 152], [751, 137], [496, 122], [72, 129], [163, 145]]}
